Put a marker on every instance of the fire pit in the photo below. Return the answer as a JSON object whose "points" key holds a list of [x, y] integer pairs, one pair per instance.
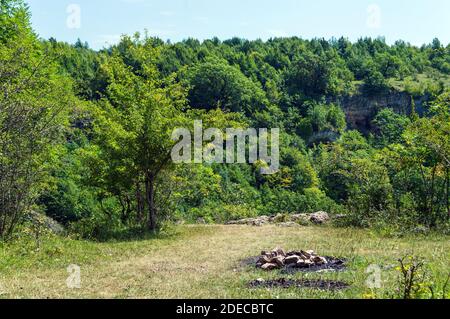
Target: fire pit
{"points": [[297, 261]]}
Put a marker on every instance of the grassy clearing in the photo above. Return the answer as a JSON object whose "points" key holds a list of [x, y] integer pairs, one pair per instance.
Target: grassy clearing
{"points": [[204, 262], [420, 83]]}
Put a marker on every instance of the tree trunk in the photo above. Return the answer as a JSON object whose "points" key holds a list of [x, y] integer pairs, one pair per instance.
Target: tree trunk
{"points": [[150, 196], [448, 192], [432, 210], [123, 214], [140, 203]]}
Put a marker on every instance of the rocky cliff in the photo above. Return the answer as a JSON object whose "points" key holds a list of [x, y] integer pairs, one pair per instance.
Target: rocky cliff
{"points": [[361, 109]]}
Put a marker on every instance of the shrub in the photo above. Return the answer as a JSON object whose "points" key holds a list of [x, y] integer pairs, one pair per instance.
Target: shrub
{"points": [[221, 213]]}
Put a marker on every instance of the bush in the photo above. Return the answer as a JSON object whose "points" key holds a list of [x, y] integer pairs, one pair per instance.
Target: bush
{"points": [[375, 83], [221, 213]]}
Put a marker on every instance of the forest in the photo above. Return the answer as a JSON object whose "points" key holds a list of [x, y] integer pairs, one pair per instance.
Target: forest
{"points": [[85, 134]]}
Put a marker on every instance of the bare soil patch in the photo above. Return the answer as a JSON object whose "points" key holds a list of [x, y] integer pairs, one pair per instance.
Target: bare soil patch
{"points": [[333, 264], [301, 283]]}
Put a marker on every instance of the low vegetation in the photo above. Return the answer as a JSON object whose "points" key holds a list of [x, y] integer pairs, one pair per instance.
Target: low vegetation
{"points": [[85, 139], [209, 262]]}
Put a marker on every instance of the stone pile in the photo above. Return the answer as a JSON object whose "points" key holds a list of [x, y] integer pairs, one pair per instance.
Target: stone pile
{"points": [[285, 220], [278, 259], [45, 223]]}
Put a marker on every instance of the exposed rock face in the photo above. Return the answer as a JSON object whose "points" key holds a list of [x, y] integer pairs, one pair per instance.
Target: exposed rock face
{"points": [[300, 218], [201, 221], [360, 109], [259, 221], [46, 222], [320, 217], [289, 220]]}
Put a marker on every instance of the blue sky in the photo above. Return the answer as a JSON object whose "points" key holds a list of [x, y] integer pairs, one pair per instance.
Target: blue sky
{"points": [[101, 22]]}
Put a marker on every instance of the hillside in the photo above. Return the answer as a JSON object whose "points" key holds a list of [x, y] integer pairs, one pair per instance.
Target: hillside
{"points": [[287, 167], [343, 109]]}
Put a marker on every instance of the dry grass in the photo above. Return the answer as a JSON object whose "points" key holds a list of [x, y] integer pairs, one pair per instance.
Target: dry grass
{"points": [[204, 262]]}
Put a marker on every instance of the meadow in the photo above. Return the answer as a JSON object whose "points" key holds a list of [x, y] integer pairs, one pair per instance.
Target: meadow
{"points": [[189, 262]]}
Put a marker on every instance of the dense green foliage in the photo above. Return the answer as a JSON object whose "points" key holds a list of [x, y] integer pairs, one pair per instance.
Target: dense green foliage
{"points": [[114, 172], [34, 103]]}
